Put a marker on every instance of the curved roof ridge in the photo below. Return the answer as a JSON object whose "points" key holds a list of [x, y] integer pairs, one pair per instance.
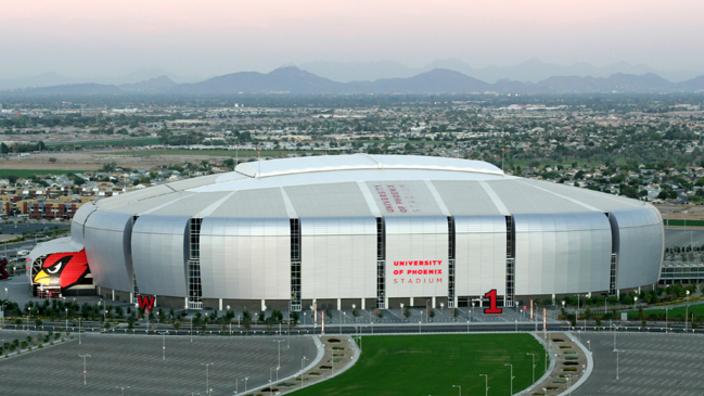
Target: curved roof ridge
{"points": [[361, 161]]}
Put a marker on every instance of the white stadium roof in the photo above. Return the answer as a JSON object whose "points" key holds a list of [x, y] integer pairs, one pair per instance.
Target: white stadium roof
{"points": [[338, 163], [362, 185]]}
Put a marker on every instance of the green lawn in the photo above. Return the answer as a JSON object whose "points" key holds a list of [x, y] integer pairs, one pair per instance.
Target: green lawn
{"points": [[35, 172], [431, 364], [675, 314], [86, 144], [682, 223]]}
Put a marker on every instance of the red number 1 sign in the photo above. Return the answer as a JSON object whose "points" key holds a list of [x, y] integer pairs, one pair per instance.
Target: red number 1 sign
{"points": [[493, 309]]}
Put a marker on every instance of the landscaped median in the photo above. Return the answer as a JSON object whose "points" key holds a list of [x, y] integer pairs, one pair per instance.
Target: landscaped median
{"points": [[432, 364]]}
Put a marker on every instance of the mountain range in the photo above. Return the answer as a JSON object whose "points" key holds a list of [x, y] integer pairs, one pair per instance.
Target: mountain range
{"points": [[296, 81]]}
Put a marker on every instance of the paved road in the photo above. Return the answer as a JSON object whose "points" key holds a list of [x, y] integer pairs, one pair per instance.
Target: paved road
{"points": [[649, 364], [136, 361]]}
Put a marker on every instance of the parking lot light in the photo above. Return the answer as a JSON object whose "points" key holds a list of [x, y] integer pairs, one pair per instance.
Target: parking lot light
{"points": [[85, 371]]}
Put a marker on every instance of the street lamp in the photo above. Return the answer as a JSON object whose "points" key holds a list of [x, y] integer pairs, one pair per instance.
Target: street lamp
{"points": [[617, 351], [207, 383], [303, 359], [532, 358], [163, 345], [278, 345], [85, 372], [486, 383], [511, 375], [686, 310], [459, 388]]}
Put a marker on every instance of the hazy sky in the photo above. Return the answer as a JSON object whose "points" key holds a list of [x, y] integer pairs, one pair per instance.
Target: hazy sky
{"points": [[205, 37]]}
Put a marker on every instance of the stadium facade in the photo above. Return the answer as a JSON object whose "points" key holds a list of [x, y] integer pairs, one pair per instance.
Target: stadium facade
{"points": [[369, 230]]}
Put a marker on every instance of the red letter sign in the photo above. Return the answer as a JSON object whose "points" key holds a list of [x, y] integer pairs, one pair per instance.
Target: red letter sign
{"points": [[146, 302], [493, 309]]}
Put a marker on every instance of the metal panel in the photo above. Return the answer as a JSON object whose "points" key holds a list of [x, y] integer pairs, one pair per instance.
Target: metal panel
{"points": [[466, 198], [338, 257], [404, 198], [641, 246], [158, 251], [244, 258], [106, 241], [416, 256], [333, 200], [520, 198], [562, 253], [481, 255], [79, 220]]}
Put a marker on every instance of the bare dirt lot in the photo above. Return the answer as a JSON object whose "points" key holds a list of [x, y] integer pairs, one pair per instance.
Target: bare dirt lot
{"points": [[93, 160]]}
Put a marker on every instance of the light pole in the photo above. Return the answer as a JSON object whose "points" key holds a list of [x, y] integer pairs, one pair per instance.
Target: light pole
{"points": [[510, 366], [85, 372], [303, 359], [80, 341], [163, 346], [486, 383], [532, 358], [614, 330], [576, 314], [617, 351], [229, 320], [207, 383], [278, 345], [666, 320], [66, 320], [245, 384], [686, 310], [459, 389], [122, 389]]}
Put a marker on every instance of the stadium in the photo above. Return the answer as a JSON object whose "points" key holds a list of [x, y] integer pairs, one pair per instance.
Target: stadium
{"points": [[370, 231]]}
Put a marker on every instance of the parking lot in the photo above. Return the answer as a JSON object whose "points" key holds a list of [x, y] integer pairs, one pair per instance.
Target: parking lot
{"points": [[136, 364], [649, 364]]}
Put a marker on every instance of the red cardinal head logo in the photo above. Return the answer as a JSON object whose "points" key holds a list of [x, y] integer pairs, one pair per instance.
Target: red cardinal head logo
{"points": [[63, 269]]}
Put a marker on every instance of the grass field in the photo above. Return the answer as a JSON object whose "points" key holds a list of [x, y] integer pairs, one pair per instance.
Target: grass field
{"points": [[34, 172], [674, 314], [86, 144], [682, 223], [431, 364]]}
